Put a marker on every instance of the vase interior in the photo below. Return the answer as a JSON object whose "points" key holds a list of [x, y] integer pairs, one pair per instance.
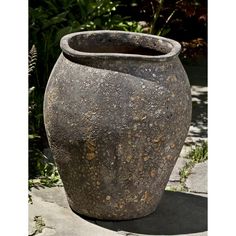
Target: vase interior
{"points": [[119, 43]]}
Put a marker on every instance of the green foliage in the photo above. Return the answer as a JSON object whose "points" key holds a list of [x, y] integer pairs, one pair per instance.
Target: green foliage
{"points": [[35, 116], [197, 155], [49, 178], [182, 16], [200, 153], [39, 224], [32, 59], [39, 165], [186, 171], [178, 188], [30, 201], [50, 20]]}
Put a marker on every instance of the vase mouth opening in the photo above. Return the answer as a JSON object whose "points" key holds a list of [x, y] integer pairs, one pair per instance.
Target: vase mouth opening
{"points": [[118, 44]]}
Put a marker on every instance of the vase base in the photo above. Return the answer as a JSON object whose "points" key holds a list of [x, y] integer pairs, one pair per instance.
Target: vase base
{"points": [[113, 215]]}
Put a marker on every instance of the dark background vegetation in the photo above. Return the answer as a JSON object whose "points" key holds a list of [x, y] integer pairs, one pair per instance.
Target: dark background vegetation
{"points": [[49, 20]]}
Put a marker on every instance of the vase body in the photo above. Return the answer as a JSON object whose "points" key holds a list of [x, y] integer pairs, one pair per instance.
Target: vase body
{"points": [[117, 110]]}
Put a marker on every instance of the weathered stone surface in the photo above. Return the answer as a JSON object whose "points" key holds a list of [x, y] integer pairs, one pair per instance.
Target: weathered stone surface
{"points": [[197, 181], [116, 119]]}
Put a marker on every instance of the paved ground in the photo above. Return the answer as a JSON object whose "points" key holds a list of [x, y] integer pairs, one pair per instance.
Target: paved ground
{"points": [[181, 212]]}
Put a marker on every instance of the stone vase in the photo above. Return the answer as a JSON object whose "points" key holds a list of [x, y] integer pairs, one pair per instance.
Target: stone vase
{"points": [[117, 110]]}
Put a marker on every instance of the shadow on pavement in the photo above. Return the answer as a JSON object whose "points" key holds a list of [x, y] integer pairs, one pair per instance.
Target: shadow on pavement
{"points": [[177, 213]]}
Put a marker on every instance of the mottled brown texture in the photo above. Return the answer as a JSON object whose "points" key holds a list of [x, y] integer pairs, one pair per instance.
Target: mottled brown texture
{"points": [[116, 122]]}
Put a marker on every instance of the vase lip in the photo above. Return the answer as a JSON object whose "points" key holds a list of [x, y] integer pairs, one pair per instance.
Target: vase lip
{"points": [[79, 54]]}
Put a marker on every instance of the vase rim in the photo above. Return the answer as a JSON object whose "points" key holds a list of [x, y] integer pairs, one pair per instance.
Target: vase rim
{"points": [[174, 46]]}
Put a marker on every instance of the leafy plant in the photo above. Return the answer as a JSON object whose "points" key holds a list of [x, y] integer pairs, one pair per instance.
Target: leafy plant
{"points": [[168, 14], [49, 179], [32, 59], [34, 116], [49, 20], [39, 165], [186, 171], [52, 19], [197, 155], [153, 29], [39, 225]]}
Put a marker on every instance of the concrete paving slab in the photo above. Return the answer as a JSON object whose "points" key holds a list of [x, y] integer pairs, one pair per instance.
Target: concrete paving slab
{"points": [[197, 180], [31, 225], [60, 221], [173, 186], [185, 150], [175, 177], [178, 213], [55, 195], [47, 232]]}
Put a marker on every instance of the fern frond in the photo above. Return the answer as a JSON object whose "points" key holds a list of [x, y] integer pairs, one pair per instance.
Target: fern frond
{"points": [[32, 59]]}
